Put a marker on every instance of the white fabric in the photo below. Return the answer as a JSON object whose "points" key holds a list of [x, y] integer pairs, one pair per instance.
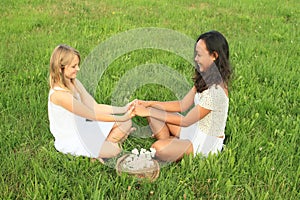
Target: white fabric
{"points": [[74, 134], [204, 133]]}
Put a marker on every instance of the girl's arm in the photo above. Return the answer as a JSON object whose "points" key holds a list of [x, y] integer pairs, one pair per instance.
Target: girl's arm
{"points": [[67, 101], [172, 106], [90, 102], [193, 115]]}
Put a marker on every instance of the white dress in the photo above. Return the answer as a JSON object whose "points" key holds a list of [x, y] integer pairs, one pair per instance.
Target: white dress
{"points": [[205, 133], [73, 134]]}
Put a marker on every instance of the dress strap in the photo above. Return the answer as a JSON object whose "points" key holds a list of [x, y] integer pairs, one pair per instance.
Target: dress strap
{"points": [[52, 90], [58, 88]]}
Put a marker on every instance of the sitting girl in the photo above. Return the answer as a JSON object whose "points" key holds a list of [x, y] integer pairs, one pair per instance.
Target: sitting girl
{"points": [[202, 129], [78, 123]]}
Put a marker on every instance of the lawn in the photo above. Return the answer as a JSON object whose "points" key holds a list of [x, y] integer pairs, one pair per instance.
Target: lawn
{"points": [[261, 158]]}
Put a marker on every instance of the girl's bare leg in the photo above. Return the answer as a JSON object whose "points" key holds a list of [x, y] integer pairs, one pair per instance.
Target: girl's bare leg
{"points": [[174, 130], [172, 149], [162, 130], [120, 131], [109, 150], [111, 147], [159, 129]]}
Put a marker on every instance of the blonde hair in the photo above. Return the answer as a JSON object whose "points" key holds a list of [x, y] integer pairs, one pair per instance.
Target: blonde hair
{"points": [[61, 56]]}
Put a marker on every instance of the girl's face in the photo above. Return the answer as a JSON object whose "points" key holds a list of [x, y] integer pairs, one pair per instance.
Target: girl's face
{"points": [[203, 59], [70, 71]]}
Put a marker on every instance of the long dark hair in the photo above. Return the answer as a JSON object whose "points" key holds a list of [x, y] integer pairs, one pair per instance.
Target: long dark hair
{"points": [[220, 71]]}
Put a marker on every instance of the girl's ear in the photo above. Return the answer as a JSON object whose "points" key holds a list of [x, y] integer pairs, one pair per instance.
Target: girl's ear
{"points": [[215, 55]]}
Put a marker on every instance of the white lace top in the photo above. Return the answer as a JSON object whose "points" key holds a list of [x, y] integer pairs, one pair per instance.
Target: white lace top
{"points": [[214, 99]]}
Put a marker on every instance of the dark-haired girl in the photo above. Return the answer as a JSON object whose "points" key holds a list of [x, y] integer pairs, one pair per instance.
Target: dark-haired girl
{"points": [[202, 129]]}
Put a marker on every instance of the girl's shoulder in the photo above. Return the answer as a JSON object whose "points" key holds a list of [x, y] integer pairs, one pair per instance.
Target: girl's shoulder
{"points": [[215, 91], [216, 88], [213, 98], [58, 92], [61, 97]]}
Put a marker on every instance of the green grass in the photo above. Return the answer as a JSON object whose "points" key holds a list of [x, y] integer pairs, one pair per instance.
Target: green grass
{"points": [[261, 158]]}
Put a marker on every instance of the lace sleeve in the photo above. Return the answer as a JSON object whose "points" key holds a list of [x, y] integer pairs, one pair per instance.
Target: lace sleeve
{"points": [[213, 98], [206, 99]]}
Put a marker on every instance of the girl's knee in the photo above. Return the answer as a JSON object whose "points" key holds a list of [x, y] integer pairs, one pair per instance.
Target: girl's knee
{"points": [[158, 145], [161, 151], [172, 150]]}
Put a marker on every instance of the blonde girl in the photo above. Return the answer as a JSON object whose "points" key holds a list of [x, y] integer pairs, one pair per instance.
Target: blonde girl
{"points": [[76, 119]]}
